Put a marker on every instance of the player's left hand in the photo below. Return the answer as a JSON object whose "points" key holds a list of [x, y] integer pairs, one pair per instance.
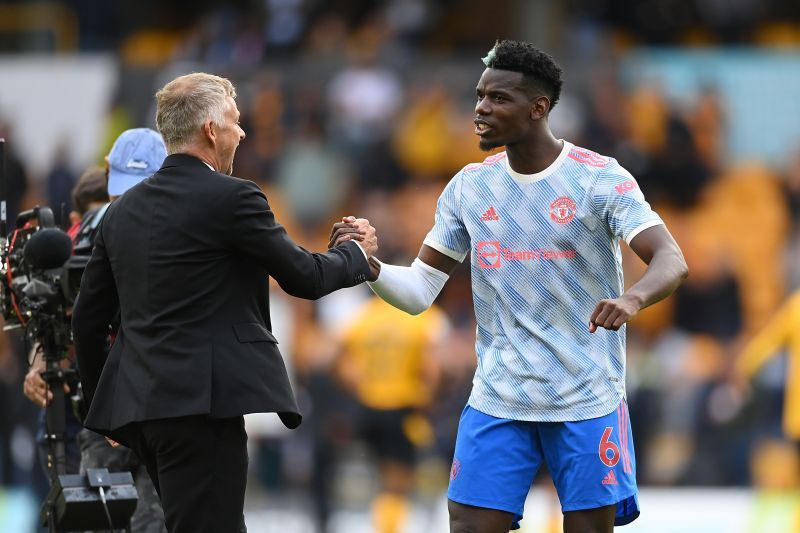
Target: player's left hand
{"points": [[611, 314]]}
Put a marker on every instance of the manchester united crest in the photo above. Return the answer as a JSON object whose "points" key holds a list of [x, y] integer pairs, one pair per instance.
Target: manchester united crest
{"points": [[563, 210], [455, 469]]}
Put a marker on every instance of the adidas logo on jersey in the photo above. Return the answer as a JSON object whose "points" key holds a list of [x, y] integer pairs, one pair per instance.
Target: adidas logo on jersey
{"points": [[610, 479], [490, 214]]}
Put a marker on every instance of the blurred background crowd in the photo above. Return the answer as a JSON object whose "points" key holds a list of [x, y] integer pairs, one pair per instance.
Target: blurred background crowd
{"points": [[365, 107]]}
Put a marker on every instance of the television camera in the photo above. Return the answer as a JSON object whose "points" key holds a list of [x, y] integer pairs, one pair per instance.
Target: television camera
{"points": [[39, 281]]}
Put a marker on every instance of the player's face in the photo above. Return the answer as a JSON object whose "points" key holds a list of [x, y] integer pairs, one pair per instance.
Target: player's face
{"points": [[503, 109], [228, 137]]}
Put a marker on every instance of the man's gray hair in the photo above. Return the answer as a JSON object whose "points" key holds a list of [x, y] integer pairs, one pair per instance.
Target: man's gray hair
{"points": [[186, 103]]}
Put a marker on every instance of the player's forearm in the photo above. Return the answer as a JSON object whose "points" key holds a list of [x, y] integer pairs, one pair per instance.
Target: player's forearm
{"points": [[411, 289], [664, 274]]}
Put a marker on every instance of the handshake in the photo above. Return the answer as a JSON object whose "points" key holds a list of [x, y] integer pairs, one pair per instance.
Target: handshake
{"points": [[359, 230]]}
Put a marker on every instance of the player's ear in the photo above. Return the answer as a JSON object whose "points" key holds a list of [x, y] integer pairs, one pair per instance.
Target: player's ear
{"points": [[540, 106]]}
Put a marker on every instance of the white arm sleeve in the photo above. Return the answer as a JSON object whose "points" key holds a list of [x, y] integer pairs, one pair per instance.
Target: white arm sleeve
{"points": [[411, 289]]}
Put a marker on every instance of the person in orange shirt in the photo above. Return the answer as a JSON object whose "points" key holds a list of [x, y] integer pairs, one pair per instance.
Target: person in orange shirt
{"points": [[388, 363], [782, 331]]}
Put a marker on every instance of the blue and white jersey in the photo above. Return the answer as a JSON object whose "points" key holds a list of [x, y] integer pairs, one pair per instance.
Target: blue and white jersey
{"points": [[545, 250]]}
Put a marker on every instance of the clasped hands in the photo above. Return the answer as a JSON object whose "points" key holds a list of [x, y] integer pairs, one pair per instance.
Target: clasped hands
{"points": [[361, 231]]}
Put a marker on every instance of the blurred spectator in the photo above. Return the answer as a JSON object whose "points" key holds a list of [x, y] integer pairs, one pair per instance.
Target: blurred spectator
{"points": [[262, 115], [432, 139], [743, 215], [780, 332], [89, 193], [16, 177], [60, 181], [792, 188], [285, 22], [791, 185], [775, 465], [421, 138], [18, 465], [676, 174], [607, 117], [324, 52], [707, 122], [708, 303], [314, 178], [389, 363], [364, 101]]}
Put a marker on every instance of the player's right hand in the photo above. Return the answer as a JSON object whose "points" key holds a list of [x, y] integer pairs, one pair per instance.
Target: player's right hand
{"points": [[359, 229], [345, 231]]}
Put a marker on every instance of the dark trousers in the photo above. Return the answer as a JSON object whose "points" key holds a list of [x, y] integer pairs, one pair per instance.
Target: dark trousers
{"points": [[199, 468], [96, 452]]}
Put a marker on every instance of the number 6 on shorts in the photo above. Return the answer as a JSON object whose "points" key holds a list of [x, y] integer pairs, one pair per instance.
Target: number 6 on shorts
{"points": [[607, 446]]}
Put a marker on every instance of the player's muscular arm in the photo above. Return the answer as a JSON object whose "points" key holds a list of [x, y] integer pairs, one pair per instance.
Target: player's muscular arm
{"points": [[413, 289], [666, 269], [437, 259], [427, 255]]}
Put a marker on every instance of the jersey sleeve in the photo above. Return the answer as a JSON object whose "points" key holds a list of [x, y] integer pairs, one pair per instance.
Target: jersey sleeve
{"points": [[449, 234], [620, 203]]}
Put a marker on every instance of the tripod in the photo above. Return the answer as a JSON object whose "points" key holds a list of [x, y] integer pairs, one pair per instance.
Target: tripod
{"points": [[98, 500], [55, 417]]}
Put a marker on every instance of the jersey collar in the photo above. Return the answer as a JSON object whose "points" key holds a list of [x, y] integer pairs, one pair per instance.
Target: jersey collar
{"points": [[531, 178]]}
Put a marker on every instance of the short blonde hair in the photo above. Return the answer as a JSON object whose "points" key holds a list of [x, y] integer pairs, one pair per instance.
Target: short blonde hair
{"points": [[186, 103]]}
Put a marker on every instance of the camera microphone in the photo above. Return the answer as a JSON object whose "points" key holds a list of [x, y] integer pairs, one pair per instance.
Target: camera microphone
{"points": [[47, 248]]}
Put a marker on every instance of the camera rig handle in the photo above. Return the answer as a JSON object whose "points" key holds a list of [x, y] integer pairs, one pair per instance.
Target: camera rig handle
{"points": [[42, 214]]}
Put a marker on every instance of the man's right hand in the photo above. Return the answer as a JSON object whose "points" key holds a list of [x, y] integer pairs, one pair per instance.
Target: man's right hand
{"points": [[35, 388], [370, 242]]}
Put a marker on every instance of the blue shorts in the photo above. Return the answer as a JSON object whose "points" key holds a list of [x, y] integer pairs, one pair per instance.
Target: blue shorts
{"points": [[591, 462]]}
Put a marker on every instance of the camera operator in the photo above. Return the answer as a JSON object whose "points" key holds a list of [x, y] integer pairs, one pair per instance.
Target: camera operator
{"points": [[136, 154], [88, 195]]}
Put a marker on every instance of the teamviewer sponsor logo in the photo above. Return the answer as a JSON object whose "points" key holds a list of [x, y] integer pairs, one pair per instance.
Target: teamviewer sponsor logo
{"points": [[491, 254], [488, 254]]}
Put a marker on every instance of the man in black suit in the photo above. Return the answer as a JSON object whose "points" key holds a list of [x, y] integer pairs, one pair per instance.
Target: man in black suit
{"points": [[185, 255]]}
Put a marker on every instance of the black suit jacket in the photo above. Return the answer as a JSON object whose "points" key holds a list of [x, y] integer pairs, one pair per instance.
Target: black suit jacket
{"points": [[186, 255]]}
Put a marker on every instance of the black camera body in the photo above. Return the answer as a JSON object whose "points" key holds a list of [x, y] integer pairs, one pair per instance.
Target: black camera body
{"points": [[39, 277], [39, 281]]}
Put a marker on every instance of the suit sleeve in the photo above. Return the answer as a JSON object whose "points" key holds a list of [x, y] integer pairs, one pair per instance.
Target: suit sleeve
{"points": [[94, 310], [255, 232]]}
